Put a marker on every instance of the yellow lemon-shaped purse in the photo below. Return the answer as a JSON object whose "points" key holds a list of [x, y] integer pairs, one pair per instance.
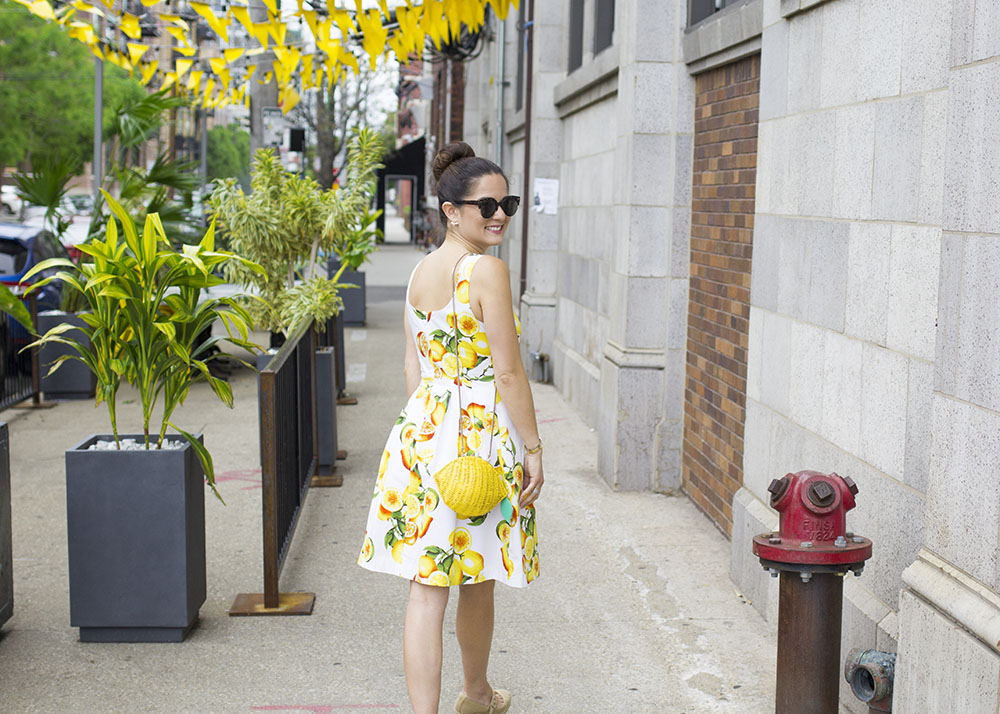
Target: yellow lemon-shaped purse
{"points": [[471, 486]]}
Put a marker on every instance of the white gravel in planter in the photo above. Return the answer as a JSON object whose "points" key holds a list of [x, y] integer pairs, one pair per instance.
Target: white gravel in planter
{"points": [[133, 445]]}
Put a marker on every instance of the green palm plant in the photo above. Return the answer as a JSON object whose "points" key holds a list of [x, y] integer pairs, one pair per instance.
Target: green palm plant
{"points": [[46, 187], [144, 319]]}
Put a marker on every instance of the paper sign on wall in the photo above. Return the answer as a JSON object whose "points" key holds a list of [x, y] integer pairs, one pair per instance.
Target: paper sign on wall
{"points": [[545, 196]]}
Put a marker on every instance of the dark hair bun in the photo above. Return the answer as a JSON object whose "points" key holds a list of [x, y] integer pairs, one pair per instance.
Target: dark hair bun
{"points": [[449, 155]]}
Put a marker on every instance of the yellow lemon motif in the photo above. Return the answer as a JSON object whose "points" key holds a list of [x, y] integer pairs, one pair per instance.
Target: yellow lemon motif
{"points": [[474, 440], [392, 500], [519, 474], [397, 551], [438, 578], [427, 566], [517, 324], [534, 569], [422, 343], [480, 344], [368, 549], [462, 291], [455, 574], [480, 578], [425, 456], [411, 532], [503, 532], [529, 547], [430, 500], [472, 562], [467, 355], [412, 507], [384, 462], [436, 350], [468, 325], [449, 365], [460, 539]]}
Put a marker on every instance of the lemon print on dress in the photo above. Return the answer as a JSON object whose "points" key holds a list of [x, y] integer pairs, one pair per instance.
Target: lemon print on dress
{"points": [[460, 539], [368, 550], [438, 578]]}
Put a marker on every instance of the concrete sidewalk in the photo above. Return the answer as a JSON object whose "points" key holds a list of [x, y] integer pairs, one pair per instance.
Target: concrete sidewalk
{"points": [[633, 613]]}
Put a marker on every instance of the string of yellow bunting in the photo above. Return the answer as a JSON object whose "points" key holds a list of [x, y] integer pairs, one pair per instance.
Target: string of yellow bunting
{"points": [[224, 77]]}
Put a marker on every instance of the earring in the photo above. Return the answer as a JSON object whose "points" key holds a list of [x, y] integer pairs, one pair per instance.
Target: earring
{"points": [[452, 223]]}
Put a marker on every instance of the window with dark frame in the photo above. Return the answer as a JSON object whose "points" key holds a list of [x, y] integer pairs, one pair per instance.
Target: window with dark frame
{"points": [[604, 24], [575, 34], [699, 10]]}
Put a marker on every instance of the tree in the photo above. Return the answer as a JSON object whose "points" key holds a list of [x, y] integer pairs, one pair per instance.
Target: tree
{"points": [[335, 112], [47, 91], [229, 154]]}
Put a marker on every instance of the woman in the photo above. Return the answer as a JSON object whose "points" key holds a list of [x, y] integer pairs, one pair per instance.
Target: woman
{"points": [[470, 393]]}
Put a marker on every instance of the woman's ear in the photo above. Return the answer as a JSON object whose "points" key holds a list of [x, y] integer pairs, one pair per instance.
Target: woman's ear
{"points": [[450, 211]]}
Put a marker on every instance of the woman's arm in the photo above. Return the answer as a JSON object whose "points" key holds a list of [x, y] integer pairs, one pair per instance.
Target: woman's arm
{"points": [[411, 363], [490, 292]]}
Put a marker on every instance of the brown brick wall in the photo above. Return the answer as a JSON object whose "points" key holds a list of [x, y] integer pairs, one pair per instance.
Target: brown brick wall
{"points": [[722, 209]]}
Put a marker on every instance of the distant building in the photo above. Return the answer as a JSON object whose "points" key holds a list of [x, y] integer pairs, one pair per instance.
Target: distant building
{"points": [[776, 249]]}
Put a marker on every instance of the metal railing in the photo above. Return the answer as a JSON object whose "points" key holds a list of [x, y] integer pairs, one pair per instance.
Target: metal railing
{"points": [[287, 408], [6, 553], [20, 373]]}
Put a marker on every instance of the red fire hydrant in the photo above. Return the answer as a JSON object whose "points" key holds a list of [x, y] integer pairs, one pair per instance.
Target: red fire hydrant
{"points": [[812, 551]]}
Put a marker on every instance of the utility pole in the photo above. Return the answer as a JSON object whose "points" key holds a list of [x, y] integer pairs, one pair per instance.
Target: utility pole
{"points": [[261, 95], [96, 171]]}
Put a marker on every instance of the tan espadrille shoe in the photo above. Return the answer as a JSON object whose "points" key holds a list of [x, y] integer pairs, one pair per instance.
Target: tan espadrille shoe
{"points": [[499, 705]]}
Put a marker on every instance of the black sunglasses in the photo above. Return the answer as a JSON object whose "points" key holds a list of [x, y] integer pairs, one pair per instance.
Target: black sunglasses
{"points": [[488, 205]]}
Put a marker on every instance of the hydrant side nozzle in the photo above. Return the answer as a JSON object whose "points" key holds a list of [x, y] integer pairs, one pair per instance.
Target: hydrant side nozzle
{"points": [[870, 674]]}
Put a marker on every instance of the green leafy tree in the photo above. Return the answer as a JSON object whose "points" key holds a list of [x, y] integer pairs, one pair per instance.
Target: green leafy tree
{"points": [[229, 154], [47, 91]]}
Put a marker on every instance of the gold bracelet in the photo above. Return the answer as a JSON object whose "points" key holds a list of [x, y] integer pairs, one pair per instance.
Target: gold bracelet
{"points": [[537, 448]]}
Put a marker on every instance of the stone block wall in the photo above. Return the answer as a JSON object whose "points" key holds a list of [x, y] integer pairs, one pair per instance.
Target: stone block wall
{"points": [[722, 215]]}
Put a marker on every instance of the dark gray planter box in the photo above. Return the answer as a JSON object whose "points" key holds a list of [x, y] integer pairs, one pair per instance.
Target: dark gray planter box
{"points": [[326, 408], [6, 551], [73, 380], [136, 531], [353, 313]]}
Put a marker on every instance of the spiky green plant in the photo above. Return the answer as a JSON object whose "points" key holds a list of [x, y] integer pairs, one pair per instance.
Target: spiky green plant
{"points": [[144, 318], [284, 223]]}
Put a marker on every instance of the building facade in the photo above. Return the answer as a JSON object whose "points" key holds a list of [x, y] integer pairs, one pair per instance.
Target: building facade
{"points": [[775, 249]]}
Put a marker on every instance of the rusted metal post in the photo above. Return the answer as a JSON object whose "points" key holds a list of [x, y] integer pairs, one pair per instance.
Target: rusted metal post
{"points": [[809, 622], [268, 472]]}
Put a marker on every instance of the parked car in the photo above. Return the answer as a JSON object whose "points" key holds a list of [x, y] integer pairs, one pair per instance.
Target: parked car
{"points": [[10, 202], [21, 247]]}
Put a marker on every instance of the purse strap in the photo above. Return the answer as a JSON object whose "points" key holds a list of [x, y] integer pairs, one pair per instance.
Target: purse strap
{"points": [[458, 363]]}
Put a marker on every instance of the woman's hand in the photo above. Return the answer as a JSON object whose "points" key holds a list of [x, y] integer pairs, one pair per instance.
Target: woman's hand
{"points": [[531, 485]]}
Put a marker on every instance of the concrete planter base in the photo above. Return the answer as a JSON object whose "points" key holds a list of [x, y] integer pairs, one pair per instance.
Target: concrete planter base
{"points": [[73, 380], [326, 409], [136, 531], [353, 314]]}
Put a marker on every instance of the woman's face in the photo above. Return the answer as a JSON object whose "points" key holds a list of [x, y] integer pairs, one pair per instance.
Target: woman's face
{"points": [[482, 232]]}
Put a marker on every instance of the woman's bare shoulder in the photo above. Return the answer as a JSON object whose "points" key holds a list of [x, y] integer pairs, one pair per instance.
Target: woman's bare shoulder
{"points": [[490, 269]]}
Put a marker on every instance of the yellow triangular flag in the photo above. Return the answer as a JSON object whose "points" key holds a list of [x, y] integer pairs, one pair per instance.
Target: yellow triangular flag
{"points": [[343, 21], [176, 19], [310, 16], [260, 32], [219, 25], [168, 80], [129, 24], [194, 79], [136, 51], [242, 14], [250, 68], [209, 86], [148, 70], [277, 30], [42, 9], [272, 6], [288, 99], [232, 54], [149, 3], [179, 35], [375, 34], [181, 66], [307, 71], [186, 51], [218, 64], [84, 7]]}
